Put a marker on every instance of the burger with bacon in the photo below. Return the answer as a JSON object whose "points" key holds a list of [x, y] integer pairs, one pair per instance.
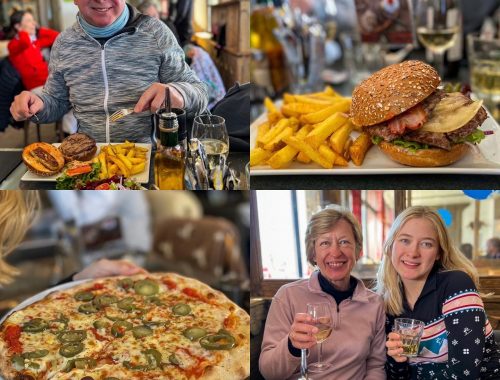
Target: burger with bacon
{"points": [[411, 120]]}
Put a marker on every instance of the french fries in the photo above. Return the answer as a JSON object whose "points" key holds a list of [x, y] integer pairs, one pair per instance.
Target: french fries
{"points": [[307, 128], [359, 148], [125, 159]]}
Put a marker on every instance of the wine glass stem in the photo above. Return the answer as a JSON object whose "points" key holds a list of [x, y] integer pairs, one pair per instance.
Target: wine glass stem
{"points": [[320, 353], [303, 363], [439, 62]]}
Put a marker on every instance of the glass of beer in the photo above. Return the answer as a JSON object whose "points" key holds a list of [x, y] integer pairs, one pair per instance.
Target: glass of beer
{"points": [[484, 62], [411, 331]]}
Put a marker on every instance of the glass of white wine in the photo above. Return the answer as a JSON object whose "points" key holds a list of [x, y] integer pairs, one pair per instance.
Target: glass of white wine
{"points": [[438, 24], [322, 320], [212, 133]]}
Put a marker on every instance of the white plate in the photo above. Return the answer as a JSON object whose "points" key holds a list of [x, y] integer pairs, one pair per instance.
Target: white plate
{"points": [[485, 160], [142, 177], [40, 296]]}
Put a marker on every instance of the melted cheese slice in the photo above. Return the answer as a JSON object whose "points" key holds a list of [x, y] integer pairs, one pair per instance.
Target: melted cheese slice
{"points": [[451, 113]]}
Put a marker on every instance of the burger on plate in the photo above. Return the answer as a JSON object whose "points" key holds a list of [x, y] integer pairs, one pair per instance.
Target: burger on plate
{"points": [[78, 147], [43, 159], [411, 120]]}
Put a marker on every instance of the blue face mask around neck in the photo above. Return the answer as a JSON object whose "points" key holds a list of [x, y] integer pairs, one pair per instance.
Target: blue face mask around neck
{"points": [[107, 31]]}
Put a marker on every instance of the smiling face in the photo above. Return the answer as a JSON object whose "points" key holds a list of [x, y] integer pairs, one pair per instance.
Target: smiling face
{"points": [[27, 24], [100, 13], [335, 254], [415, 249]]}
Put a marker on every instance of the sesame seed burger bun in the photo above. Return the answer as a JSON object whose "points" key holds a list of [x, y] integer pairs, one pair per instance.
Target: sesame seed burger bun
{"points": [[430, 157], [392, 91]]}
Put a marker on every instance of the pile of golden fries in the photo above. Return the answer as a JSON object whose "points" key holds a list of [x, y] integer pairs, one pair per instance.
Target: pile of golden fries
{"points": [[125, 159], [309, 127]]}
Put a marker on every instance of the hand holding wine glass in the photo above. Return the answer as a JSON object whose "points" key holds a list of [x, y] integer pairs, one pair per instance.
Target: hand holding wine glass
{"points": [[322, 320], [438, 24], [302, 337]]}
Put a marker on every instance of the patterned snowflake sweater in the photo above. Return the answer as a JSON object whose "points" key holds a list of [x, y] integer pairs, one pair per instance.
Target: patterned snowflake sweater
{"points": [[458, 340]]}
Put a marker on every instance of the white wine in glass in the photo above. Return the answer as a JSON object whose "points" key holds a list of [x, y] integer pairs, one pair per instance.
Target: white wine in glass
{"points": [[211, 131], [438, 25], [322, 319]]}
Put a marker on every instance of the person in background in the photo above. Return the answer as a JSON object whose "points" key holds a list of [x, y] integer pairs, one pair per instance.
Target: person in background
{"points": [[180, 12], [18, 210], [423, 276], [199, 60], [25, 49], [355, 348], [467, 250], [112, 58], [493, 248]]}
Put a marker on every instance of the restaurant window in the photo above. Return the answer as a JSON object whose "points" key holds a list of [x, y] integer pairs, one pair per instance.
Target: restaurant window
{"points": [[283, 218]]}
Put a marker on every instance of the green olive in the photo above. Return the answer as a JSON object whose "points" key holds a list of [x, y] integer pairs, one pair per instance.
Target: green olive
{"points": [[126, 304], [181, 309], [153, 357], [35, 354], [119, 327], [72, 336], [87, 308], [146, 287], [218, 342], [140, 367], [194, 333], [101, 324], [141, 331], [84, 296], [104, 300], [85, 363], [71, 349], [154, 300], [173, 359], [35, 325], [18, 362], [126, 283], [33, 365]]}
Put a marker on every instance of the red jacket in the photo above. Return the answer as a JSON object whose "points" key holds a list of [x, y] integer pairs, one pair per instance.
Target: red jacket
{"points": [[26, 56]]}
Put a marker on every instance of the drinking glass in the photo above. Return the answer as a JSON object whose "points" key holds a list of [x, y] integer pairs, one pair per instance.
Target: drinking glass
{"points": [[411, 331], [212, 133], [484, 63], [438, 24], [322, 319]]}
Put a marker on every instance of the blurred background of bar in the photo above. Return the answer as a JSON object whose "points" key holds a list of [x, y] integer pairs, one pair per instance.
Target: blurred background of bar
{"points": [[303, 45], [278, 255], [196, 234]]}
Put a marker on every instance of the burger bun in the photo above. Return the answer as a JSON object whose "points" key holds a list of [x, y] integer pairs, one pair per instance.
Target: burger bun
{"points": [[431, 157]]}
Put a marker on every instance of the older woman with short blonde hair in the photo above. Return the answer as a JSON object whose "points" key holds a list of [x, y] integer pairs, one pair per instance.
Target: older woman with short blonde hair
{"points": [[355, 348]]}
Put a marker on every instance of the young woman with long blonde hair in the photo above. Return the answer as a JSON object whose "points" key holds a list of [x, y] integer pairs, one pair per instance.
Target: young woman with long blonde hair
{"points": [[424, 276]]}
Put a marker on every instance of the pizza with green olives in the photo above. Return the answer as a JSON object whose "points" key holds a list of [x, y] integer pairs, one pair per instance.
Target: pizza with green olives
{"points": [[148, 326]]}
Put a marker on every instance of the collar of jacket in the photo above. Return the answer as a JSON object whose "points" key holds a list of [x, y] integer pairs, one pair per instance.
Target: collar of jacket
{"points": [[360, 292], [134, 21]]}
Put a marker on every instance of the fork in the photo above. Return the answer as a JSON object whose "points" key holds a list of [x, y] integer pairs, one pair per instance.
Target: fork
{"points": [[120, 113]]}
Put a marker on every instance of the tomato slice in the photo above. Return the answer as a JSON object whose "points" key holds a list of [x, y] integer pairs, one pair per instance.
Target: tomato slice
{"points": [[103, 186], [79, 170]]}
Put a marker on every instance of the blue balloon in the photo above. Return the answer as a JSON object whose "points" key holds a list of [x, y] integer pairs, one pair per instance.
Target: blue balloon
{"points": [[446, 216], [478, 194]]}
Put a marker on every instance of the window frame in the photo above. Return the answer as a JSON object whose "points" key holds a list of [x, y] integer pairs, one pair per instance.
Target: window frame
{"points": [[260, 287]]}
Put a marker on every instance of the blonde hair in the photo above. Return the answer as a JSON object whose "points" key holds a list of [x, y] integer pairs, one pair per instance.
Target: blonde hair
{"points": [[449, 258], [323, 221], [18, 209]]}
